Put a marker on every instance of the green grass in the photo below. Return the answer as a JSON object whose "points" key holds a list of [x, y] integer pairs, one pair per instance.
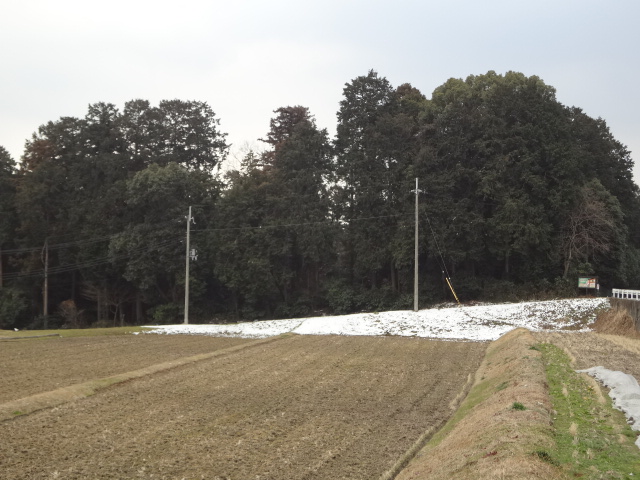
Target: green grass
{"points": [[518, 406], [546, 456], [79, 332], [593, 440]]}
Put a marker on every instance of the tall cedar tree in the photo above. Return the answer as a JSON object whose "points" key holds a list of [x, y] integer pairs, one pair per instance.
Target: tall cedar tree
{"points": [[276, 261]]}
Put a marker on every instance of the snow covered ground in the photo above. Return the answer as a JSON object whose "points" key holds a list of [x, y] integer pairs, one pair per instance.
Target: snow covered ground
{"points": [[474, 323]]}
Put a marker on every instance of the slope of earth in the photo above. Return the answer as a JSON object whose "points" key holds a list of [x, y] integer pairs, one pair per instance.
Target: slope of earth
{"points": [[303, 407], [488, 438], [31, 366]]}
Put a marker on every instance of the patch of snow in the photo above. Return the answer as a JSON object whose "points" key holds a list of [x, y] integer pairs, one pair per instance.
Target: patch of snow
{"points": [[625, 392], [262, 329], [474, 323]]}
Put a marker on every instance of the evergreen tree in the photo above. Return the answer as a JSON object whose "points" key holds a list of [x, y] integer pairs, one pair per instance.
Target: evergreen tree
{"points": [[8, 218], [278, 251], [376, 149]]}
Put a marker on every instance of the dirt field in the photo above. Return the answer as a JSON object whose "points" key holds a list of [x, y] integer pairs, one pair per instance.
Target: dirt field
{"points": [[39, 365], [300, 407]]}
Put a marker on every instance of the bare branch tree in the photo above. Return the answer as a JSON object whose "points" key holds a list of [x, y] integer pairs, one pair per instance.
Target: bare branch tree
{"points": [[590, 228]]}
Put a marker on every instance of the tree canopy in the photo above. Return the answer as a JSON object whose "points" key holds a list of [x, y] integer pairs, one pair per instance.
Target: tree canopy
{"points": [[520, 195]]}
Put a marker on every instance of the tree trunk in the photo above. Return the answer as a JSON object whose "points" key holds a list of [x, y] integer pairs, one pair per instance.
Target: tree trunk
{"points": [[73, 286], [506, 265], [394, 277], [567, 264], [99, 305], [234, 296], [139, 309]]}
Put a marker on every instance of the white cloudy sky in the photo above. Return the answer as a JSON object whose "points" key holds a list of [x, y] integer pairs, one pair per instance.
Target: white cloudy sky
{"points": [[249, 57]]}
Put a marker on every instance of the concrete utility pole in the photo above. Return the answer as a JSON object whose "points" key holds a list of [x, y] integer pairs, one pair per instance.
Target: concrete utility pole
{"points": [[415, 267], [186, 278]]}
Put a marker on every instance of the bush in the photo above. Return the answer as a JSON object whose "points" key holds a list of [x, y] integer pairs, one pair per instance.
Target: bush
{"points": [[52, 322], [468, 287], [502, 291], [14, 308], [300, 308], [342, 298], [166, 314], [73, 317]]}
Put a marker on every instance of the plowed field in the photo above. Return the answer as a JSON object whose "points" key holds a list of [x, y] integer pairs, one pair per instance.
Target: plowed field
{"points": [[38, 365], [301, 407]]}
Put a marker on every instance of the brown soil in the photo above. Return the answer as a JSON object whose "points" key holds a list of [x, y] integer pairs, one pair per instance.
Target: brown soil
{"points": [[39, 365], [301, 407], [488, 438]]}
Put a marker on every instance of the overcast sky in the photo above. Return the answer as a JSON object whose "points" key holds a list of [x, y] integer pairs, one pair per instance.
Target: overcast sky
{"points": [[246, 58]]}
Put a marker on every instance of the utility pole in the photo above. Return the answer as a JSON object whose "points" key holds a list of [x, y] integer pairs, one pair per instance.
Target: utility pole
{"points": [[186, 278], [415, 267], [45, 286]]}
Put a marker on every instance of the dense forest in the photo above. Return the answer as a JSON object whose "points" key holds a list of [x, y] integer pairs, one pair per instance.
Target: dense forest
{"points": [[519, 195]]}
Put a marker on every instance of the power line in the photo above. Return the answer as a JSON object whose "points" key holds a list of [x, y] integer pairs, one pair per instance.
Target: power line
{"points": [[90, 263], [304, 224], [435, 240], [59, 246], [102, 260]]}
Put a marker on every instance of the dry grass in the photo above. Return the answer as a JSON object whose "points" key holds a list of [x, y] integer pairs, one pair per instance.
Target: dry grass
{"points": [[630, 344], [489, 438], [616, 322]]}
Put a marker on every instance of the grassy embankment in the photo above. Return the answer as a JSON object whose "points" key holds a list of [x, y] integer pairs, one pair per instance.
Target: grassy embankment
{"points": [[593, 440], [530, 415]]}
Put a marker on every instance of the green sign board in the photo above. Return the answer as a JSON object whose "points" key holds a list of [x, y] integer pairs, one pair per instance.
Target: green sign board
{"points": [[588, 282]]}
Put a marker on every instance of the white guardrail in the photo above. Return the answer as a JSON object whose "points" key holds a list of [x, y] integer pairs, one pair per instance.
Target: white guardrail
{"points": [[628, 294]]}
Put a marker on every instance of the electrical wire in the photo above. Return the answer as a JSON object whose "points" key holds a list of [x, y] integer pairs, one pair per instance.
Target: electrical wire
{"points": [[443, 264], [289, 225], [91, 263], [137, 251], [57, 246]]}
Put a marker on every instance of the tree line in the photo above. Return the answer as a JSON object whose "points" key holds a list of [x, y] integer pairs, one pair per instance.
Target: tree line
{"points": [[520, 195]]}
